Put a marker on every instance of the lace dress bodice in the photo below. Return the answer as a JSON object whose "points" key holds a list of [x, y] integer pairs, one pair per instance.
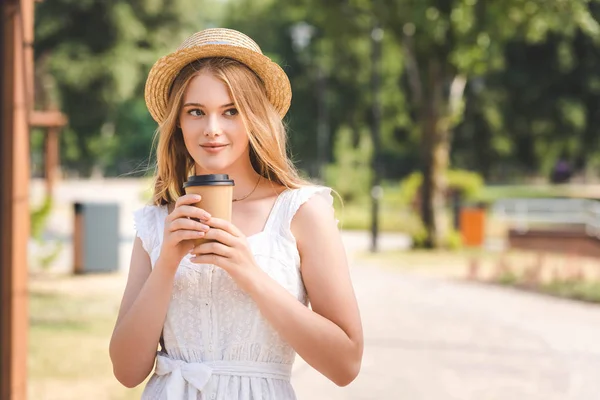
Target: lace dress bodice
{"points": [[217, 344]]}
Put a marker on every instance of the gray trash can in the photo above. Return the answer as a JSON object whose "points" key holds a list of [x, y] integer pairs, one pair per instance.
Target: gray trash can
{"points": [[95, 238]]}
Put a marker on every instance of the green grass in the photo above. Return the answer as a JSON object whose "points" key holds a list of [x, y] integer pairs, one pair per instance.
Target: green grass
{"points": [[391, 219], [491, 193], [435, 262], [455, 264], [397, 216], [393, 215], [68, 343], [574, 289]]}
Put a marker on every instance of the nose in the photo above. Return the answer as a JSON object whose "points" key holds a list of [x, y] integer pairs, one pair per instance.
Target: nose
{"points": [[213, 127]]}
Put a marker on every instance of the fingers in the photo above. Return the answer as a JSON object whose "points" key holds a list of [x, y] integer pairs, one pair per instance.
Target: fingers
{"points": [[188, 199], [216, 248], [186, 211], [182, 235], [213, 259], [187, 224], [222, 237], [224, 225]]}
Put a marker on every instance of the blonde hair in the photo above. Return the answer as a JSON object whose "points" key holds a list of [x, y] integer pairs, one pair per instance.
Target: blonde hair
{"points": [[266, 131]]}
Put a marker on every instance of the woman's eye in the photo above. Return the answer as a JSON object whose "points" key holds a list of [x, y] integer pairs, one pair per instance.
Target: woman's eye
{"points": [[231, 112], [196, 113]]}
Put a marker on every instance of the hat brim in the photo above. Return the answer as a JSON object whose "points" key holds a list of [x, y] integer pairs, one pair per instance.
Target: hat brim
{"points": [[165, 70]]}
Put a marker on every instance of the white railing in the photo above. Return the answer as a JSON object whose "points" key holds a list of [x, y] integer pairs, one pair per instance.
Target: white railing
{"points": [[526, 212]]}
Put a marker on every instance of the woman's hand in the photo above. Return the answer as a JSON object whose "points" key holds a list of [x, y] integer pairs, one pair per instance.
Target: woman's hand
{"points": [[181, 226], [230, 252]]}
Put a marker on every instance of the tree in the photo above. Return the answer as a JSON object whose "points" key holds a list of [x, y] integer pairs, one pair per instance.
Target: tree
{"points": [[448, 42], [92, 58]]}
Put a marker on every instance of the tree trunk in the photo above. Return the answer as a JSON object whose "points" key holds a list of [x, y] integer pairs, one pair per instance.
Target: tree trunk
{"points": [[435, 148]]}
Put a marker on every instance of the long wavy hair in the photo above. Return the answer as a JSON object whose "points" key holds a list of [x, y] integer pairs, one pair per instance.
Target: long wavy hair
{"points": [[266, 131]]}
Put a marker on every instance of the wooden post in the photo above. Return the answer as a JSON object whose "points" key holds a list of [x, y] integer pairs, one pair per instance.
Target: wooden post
{"points": [[52, 121], [16, 37], [51, 157]]}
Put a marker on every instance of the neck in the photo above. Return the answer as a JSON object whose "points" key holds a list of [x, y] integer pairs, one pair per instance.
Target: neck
{"points": [[244, 177]]}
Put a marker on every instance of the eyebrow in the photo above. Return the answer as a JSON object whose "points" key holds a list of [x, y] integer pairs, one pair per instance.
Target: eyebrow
{"points": [[202, 106]]}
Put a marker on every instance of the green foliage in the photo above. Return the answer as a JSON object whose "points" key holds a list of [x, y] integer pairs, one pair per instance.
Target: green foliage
{"points": [[521, 119], [452, 240], [570, 288], [409, 188], [508, 277], [468, 183], [419, 237], [92, 58], [491, 193], [46, 251], [39, 217], [574, 289], [351, 174], [533, 82], [358, 217]]}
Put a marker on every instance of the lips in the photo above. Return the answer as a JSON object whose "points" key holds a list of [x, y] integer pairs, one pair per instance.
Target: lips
{"points": [[213, 147]]}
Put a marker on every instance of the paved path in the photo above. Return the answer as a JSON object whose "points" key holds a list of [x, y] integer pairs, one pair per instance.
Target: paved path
{"points": [[435, 339]]}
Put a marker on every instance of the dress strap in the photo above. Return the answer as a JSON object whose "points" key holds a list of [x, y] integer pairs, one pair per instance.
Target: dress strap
{"points": [[291, 203], [277, 209]]}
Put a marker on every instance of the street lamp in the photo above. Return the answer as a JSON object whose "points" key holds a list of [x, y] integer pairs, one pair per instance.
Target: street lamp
{"points": [[302, 34], [376, 190]]}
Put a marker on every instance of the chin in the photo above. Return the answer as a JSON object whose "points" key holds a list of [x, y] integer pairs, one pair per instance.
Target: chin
{"points": [[219, 168]]}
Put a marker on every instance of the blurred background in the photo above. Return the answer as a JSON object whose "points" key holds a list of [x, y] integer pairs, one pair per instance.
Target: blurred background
{"points": [[462, 136]]}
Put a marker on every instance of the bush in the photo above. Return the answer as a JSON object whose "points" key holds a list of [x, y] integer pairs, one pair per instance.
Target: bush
{"points": [[351, 174], [46, 251], [39, 217], [468, 184]]}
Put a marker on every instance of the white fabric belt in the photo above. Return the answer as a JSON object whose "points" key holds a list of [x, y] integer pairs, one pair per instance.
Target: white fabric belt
{"points": [[197, 374]]}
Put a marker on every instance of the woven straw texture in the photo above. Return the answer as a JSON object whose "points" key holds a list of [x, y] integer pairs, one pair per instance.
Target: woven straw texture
{"points": [[217, 42]]}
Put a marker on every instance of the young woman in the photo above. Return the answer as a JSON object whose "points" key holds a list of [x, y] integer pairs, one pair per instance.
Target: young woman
{"points": [[230, 315]]}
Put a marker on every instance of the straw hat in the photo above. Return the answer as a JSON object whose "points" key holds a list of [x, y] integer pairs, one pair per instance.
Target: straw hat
{"points": [[217, 42]]}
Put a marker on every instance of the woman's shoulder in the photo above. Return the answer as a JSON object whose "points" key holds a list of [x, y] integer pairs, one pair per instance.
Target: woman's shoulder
{"points": [[312, 196], [145, 217], [150, 209], [312, 215], [147, 220], [309, 204]]}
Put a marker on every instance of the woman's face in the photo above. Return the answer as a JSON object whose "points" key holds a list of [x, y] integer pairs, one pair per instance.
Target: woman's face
{"points": [[213, 130]]}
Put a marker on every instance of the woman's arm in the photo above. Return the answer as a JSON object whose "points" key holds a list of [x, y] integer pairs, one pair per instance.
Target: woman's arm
{"points": [[146, 299], [141, 317], [329, 337]]}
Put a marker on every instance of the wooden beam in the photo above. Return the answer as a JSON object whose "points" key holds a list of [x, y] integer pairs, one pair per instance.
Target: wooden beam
{"points": [[15, 98], [51, 159], [47, 119]]}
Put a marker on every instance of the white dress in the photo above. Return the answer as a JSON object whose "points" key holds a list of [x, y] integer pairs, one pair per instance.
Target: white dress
{"points": [[218, 345]]}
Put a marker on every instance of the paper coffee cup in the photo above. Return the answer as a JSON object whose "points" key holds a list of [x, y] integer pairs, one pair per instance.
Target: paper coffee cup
{"points": [[217, 196]]}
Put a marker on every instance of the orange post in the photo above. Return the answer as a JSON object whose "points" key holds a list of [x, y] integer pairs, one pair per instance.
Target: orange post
{"points": [[472, 226], [78, 240]]}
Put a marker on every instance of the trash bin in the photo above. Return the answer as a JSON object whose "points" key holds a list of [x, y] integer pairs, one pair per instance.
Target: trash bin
{"points": [[95, 237], [472, 225]]}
